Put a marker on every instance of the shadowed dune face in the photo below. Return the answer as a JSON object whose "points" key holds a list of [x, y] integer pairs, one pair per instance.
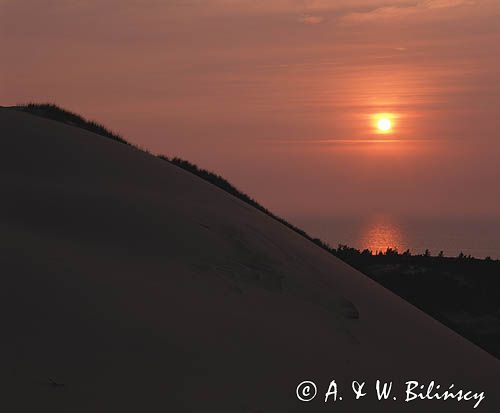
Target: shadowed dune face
{"points": [[131, 285]]}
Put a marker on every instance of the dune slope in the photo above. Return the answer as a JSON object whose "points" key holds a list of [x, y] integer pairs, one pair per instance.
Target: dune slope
{"points": [[130, 285]]}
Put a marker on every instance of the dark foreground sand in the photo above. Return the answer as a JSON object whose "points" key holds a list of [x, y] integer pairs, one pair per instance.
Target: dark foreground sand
{"points": [[142, 288]]}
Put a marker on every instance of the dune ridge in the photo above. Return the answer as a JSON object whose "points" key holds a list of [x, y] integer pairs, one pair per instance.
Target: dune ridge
{"points": [[132, 285]]}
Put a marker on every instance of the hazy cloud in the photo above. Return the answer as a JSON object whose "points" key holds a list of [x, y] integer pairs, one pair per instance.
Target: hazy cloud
{"points": [[310, 19], [404, 10]]}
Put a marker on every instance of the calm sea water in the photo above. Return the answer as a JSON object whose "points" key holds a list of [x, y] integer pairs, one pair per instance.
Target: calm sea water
{"points": [[478, 237]]}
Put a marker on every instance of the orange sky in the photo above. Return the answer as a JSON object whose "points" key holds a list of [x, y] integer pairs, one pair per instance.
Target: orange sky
{"points": [[278, 96]]}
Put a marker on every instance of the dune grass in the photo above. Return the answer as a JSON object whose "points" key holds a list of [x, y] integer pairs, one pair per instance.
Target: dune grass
{"points": [[54, 112]]}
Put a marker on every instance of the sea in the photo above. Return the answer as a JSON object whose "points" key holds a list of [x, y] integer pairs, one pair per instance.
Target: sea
{"points": [[478, 237]]}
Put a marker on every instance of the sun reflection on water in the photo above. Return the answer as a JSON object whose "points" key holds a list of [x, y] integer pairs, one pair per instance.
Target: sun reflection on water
{"points": [[380, 234]]}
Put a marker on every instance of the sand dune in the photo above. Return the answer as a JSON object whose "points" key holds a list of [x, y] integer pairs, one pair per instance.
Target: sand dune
{"points": [[130, 285]]}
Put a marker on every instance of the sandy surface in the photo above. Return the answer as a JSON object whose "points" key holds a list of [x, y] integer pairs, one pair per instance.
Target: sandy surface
{"points": [[142, 288]]}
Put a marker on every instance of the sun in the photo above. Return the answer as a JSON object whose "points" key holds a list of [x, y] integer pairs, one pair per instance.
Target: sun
{"points": [[384, 125], [383, 122]]}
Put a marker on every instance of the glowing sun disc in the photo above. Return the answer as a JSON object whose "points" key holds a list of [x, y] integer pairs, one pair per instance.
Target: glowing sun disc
{"points": [[384, 125]]}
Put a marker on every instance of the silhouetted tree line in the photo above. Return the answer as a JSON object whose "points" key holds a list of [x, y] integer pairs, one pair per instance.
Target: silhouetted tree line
{"points": [[462, 292]]}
